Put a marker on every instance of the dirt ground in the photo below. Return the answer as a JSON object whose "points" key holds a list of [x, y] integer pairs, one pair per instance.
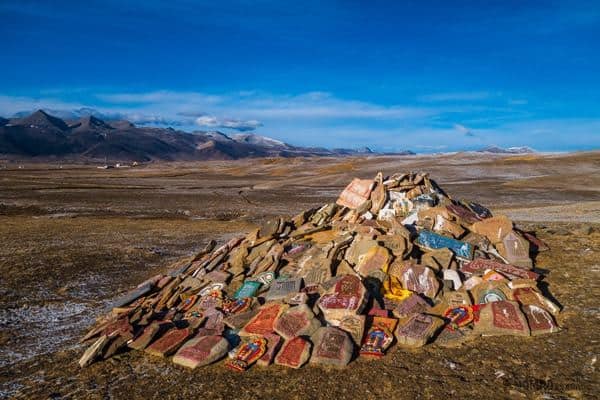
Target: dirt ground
{"points": [[72, 238]]}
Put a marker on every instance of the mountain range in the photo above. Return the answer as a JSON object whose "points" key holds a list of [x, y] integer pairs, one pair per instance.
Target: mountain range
{"points": [[43, 136], [508, 150]]}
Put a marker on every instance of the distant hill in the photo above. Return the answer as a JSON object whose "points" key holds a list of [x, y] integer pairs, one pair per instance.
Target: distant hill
{"points": [[44, 136], [509, 150]]}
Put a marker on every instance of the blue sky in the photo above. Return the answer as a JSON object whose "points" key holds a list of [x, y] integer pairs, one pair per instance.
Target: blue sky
{"points": [[422, 75]]}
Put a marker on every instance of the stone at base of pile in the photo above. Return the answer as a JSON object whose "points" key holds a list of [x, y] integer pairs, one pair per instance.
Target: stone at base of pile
{"points": [[201, 351], [332, 346], [294, 353]]}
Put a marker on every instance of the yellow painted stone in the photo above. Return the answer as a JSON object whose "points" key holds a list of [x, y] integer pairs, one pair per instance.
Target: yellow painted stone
{"points": [[392, 289]]}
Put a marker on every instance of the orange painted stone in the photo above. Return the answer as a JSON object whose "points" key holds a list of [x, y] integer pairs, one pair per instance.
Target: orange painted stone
{"points": [[294, 353], [264, 321]]}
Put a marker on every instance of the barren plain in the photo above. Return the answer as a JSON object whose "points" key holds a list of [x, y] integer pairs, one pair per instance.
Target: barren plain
{"points": [[74, 237]]}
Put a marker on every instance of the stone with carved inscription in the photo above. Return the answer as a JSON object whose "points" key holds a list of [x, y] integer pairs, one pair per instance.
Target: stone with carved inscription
{"points": [[264, 321], [515, 249], [331, 346], [347, 297], [282, 287], [296, 321], [417, 330], [502, 318], [294, 353], [419, 279], [540, 321], [168, 343], [355, 326], [200, 351], [356, 193]]}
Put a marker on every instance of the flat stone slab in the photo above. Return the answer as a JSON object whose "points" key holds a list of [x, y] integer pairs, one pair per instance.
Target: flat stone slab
{"points": [[149, 334], [264, 321], [419, 279], [347, 297], [273, 343], [539, 320], [294, 353], [132, 295], [332, 346], [433, 241], [281, 288], [515, 249], [502, 318], [169, 342], [531, 296], [356, 193], [479, 265], [417, 331], [296, 321], [248, 289], [376, 259], [93, 351], [201, 351], [494, 228], [355, 326]]}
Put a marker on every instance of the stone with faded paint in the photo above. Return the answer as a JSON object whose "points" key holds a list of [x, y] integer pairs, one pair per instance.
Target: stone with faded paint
{"points": [[296, 321], [376, 259], [494, 228], [282, 287], [332, 346], [419, 279], [169, 342], [417, 330], [201, 351]]}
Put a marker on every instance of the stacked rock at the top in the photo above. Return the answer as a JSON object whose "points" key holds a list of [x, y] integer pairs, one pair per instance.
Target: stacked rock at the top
{"points": [[394, 260]]}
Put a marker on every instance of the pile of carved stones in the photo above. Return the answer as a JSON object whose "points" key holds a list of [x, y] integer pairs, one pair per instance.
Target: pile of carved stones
{"points": [[394, 260]]}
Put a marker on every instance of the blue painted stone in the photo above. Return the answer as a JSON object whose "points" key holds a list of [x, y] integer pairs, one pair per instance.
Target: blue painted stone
{"points": [[433, 241]]}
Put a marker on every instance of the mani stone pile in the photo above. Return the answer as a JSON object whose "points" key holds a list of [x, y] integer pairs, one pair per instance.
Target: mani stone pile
{"points": [[393, 260]]}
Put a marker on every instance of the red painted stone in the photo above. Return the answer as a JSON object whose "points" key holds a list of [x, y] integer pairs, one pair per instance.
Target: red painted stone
{"points": [[293, 353], [169, 342], [479, 265], [264, 321], [505, 315]]}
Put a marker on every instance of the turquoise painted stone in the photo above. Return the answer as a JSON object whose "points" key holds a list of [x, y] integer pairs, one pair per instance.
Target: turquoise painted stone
{"points": [[248, 289]]}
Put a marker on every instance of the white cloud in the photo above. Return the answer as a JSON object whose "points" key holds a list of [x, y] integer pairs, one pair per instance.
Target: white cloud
{"points": [[455, 96], [464, 130], [208, 121]]}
